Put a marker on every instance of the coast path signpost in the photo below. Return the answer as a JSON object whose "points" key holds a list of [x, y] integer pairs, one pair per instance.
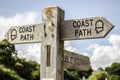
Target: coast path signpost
{"points": [[24, 34], [86, 28], [52, 33]]}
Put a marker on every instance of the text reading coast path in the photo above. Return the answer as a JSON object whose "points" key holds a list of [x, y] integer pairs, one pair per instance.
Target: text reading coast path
{"points": [[24, 33], [23, 30], [86, 28], [81, 26]]}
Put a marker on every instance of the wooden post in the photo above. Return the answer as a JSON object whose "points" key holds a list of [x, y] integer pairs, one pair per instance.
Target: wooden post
{"points": [[52, 49]]}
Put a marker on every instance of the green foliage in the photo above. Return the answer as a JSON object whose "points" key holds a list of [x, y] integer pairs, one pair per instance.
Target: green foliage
{"points": [[76, 75], [14, 68], [71, 75], [8, 74], [36, 73], [98, 75], [7, 47], [7, 51], [114, 69], [114, 77], [29, 70]]}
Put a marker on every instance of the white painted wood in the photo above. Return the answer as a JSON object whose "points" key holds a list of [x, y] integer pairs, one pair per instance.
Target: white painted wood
{"points": [[86, 28], [24, 34], [51, 46]]}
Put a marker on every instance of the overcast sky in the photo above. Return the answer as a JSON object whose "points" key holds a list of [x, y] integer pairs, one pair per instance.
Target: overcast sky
{"points": [[102, 52]]}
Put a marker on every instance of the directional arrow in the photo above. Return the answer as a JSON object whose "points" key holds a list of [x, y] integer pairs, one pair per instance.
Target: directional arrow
{"points": [[76, 61], [96, 27], [24, 34], [87, 28]]}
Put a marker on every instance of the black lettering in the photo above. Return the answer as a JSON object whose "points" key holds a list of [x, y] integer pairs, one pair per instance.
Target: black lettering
{"points": [[74, 24], [34, 28], [84, 30], [26, 37], [29, 29], [76, 32], [91, 21], [76, 61], [80, 61], [71, 60], [26, 29], [78, 24], [20, 29], [23, 29], [83, 24], [21, 37], [89, 32], [80, 33], [66, 59], [87, 23], [31, 37]]}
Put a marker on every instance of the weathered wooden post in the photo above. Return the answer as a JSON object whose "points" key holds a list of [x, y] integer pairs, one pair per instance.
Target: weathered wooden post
{"points": [[51, 47]]}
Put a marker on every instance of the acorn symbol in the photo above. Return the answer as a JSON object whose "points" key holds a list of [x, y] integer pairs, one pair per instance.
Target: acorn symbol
{"points": [[99, 26]]}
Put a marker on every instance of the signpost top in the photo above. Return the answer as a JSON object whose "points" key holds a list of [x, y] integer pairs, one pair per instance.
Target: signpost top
{"points": [[76, 29], [86, 28], [24, 33]]}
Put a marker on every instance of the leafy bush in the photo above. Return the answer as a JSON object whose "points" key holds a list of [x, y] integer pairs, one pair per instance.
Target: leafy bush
{"points": [[114, 69], [15, 68], [8, 74], [114, 77], [98, 75]]}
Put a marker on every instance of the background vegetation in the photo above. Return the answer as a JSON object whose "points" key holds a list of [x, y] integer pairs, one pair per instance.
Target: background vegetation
{"points": [[14, 68]]}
